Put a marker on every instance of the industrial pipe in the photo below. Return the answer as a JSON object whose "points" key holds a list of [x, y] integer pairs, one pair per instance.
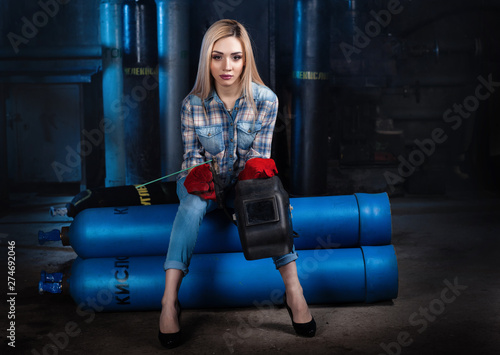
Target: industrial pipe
{"points": [[130, 91], [173, 52], [366, 274], [310, 75], [112, 87], [140, 87], [321, 222]]}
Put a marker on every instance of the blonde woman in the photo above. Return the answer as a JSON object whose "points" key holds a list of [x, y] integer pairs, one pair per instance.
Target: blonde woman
{"points": [[229, 116]]}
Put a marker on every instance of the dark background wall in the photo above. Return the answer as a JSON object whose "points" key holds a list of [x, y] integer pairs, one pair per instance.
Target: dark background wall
{"points": [[387, 123]]}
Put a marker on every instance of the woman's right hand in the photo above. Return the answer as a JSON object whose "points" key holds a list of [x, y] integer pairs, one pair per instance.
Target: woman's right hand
{"points": [[200, 182]]}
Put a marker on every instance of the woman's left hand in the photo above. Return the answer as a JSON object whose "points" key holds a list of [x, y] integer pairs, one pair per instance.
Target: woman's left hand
{"points": [[258, 168]]}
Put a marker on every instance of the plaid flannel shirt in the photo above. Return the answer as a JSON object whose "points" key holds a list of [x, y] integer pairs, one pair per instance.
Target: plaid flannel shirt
{"points": [[231, 139]]}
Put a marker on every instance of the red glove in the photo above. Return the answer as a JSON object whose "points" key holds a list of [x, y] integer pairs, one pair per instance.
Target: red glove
{"points": [[200, 182], [258, 168]]}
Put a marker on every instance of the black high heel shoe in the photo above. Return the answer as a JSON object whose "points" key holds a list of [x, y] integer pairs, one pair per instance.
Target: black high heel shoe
{"points": [[171, 340], [303, 329]]}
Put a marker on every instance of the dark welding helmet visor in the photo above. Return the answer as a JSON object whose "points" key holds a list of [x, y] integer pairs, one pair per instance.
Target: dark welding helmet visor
{"points": [[263, 217]]}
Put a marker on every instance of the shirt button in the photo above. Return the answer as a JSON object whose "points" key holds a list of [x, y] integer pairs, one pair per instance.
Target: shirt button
{"points": [[231, 139], [211, 134], [231, 124], [231, 156], [249, 131]]}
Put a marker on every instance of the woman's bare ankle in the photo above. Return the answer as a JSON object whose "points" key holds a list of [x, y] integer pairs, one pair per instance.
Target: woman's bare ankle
{"points": [[298, 304], [169, 321]]}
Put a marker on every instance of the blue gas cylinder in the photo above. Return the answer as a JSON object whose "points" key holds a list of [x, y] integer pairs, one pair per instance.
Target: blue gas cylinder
{"points": [[366, 274], [342, 221], [321, 222]]}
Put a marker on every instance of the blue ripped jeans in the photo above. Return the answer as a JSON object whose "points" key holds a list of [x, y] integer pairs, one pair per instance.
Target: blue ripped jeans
{"points": [[185, 230]]}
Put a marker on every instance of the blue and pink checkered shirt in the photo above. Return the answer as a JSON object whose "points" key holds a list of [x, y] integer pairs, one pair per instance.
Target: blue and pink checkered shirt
{"points": [[230, 138]]}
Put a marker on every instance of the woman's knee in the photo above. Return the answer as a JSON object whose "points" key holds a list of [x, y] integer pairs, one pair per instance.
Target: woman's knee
{"points": [[193, 204]]}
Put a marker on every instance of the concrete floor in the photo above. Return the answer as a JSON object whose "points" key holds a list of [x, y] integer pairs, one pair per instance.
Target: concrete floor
{"points": [[448, 303]]}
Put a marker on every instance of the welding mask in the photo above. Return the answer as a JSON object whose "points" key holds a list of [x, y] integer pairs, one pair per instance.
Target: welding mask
{"points": [[263, 217]]}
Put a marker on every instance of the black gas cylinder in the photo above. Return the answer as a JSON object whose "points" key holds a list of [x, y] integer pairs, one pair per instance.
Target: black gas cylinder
{"points": [[129, 195]]}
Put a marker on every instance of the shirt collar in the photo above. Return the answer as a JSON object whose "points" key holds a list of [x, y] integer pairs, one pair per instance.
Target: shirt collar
{"points": [[214, 96]]}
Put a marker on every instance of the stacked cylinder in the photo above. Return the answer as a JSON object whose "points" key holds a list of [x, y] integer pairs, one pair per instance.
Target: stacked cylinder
{"points": [[344, 247]]}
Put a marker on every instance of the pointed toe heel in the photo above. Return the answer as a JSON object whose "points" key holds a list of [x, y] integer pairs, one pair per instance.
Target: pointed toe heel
{"points": [[303, 329], [171, 340]]}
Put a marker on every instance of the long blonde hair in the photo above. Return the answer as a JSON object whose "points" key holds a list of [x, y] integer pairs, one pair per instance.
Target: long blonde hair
{"points": [[205, 82]]}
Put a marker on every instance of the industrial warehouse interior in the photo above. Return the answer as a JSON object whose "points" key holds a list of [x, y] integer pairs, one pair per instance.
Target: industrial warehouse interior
{"points": [[386, 142]]}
